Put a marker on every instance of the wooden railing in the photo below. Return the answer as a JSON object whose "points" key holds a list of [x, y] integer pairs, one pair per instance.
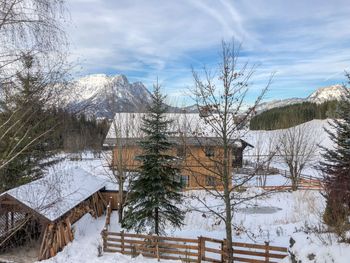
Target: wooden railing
{"points": [[201, 249]]}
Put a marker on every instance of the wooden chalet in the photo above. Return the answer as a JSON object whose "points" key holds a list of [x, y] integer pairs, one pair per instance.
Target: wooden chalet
{"points": [[197, 156], [45, 209]]}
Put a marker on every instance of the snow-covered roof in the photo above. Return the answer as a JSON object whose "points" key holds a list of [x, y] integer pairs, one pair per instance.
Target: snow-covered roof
{"points": [[57, 193], [127, 127]]}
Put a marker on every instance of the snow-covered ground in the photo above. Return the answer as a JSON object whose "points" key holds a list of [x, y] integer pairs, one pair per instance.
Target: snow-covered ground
{"points": [[276, 218]]}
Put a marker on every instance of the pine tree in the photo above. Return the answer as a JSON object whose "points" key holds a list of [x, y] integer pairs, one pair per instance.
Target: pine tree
{"points": [[157, 189], [336, 169], [24, 109]]}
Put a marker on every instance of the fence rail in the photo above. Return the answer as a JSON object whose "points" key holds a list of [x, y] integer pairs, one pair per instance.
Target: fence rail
{"points": [[201, 249]]}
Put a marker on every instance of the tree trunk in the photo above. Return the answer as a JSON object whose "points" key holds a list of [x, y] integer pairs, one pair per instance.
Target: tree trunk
{"points": [[226, 182], [121, 198], [156, 221], [228, 226]]}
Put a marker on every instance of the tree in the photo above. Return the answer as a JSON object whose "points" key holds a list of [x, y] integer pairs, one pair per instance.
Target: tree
{"points": [[28, 28], [155, 192], [27, 122], [221, 101], [336, 169], [296, 148], [117, 159]]}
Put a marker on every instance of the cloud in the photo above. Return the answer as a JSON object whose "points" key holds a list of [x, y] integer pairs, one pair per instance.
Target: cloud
{"points": [[307, 43]]}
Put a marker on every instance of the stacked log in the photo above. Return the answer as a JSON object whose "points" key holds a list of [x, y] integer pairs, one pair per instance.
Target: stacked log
{"points": [[55, 238], [58, 234]]}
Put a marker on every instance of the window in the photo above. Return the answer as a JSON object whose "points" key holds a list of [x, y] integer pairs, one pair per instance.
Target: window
{"points": [[209, 151], [211, 181], [185, 180]]}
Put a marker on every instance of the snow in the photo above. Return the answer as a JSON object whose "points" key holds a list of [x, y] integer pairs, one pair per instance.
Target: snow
{"points": [[58, 192], [129, 124], [275, 218], [262, 140], [87, 239], [334, 92]]}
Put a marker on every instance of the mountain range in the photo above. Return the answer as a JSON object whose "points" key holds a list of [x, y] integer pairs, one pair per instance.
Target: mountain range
{"points": [[334, 92], [102, 96]]}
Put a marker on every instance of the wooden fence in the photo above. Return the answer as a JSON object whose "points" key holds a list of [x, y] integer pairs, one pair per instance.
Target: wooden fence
{"points": [[201, 249]]}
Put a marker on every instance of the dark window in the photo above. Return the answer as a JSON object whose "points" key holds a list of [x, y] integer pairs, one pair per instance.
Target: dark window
{"points": [[211, 181], [209, 151], [185, 180]]}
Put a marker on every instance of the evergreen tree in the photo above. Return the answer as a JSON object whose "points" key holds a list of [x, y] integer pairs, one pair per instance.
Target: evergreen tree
{"points": [[336, 169], [27, 126], [156, 190]]}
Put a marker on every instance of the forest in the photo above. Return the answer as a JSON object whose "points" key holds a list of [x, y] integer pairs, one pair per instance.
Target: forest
{"points": [[291, 115]]}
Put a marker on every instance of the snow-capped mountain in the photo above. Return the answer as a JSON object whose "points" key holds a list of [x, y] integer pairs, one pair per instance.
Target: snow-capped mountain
{"points": [[334, 92], [277, 103], [103, 95]]}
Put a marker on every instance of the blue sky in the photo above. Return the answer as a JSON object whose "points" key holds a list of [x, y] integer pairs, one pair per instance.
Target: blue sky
{"points": [[306, 43]]}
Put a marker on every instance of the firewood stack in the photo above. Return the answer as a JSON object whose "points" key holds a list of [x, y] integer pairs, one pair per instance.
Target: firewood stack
{"points": [[58, 234]]}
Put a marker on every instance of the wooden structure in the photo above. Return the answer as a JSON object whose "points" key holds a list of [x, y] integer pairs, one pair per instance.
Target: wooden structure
{"points": [[201, 249], [52, 205], [197, 156]]}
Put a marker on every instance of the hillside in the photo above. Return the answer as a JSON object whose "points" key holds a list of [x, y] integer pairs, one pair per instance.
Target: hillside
{"points": [[319, 96], [291, 115]]}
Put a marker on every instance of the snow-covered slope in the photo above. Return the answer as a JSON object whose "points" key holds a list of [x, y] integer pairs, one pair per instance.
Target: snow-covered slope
{"points": [[103, 95]]}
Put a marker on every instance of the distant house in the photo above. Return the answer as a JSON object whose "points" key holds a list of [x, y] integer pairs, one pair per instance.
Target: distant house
{"points": [[196, 148]]}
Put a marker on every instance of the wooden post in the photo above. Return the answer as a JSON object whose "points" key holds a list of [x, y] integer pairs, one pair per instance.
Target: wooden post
{"points": [[267, 252], [222, 251], [201, 248], [122, 238], [155, 240], [104, 239]]}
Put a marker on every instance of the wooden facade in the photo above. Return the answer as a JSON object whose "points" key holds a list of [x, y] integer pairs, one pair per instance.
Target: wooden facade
{"points": [[200, 161]]}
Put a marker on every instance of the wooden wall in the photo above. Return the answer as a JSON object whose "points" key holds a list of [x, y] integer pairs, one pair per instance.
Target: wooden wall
{"points": [[113, 196], [194, 163]]}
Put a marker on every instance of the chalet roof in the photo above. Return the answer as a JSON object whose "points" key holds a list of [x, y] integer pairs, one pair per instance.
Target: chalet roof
{"points": [[189, 141], [126, 127], [56, 194]]}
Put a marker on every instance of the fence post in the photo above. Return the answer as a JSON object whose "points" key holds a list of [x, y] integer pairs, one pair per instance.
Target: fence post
{"points": [[223, 250], [122, 240], [201, 251], [104, 239], [266, 252], [156, 247]]}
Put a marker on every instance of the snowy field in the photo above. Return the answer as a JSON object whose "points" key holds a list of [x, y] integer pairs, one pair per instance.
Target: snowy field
{"points": [[276, 217]]}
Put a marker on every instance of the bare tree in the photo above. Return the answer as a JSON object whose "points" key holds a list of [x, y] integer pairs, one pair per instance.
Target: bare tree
{"points": [[121, 161], [28, 28], [221, 101], [296, 148], [264, 151]]}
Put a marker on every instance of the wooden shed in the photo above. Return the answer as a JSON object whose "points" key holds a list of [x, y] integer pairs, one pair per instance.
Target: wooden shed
{"points": [[46, 209]]}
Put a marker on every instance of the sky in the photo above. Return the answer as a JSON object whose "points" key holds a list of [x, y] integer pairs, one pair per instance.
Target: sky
{"points": [[306, 44]]}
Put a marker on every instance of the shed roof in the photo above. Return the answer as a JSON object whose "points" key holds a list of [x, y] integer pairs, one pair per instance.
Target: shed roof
{"points": [[57, 193]]}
